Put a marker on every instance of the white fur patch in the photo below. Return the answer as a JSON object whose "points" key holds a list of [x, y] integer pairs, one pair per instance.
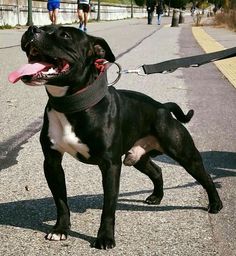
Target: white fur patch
{"points": [[62, 136]]}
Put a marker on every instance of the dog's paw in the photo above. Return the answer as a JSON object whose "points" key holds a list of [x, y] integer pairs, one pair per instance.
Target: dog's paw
{"points": [[215, 207], [104, 243], [130, 159], [56, 236], [153, 199]]}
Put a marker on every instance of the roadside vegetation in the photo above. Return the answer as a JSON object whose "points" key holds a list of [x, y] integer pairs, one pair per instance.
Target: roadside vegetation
{"points": [[6, 26], [227, 15], [227, 19]]}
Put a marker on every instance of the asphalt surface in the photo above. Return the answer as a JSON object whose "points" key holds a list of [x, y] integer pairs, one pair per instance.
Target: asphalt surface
{"points": [[181, 224]]}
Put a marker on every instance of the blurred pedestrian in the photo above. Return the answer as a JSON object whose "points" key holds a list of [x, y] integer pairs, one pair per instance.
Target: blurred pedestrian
{"points": [[150, 9], [215, 9], [193, 9], [83, 14], [53, 8], [159, 11]]}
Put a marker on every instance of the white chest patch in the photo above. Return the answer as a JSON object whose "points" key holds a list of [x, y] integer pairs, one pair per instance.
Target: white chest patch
{"points": [[62, 136]]}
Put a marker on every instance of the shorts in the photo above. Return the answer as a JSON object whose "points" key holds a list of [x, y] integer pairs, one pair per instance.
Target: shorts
{"points": [[53, 6], [84, 7]]}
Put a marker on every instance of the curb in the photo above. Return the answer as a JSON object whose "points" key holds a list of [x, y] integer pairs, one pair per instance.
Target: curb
{"points": [[209, 44]]}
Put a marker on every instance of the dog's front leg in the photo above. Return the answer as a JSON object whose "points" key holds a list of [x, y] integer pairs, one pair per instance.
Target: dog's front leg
{"points": [[111, 180], [55, 177], [56, 182]]}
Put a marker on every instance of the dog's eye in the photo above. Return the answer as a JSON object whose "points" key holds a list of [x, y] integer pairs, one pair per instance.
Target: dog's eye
{"points": [[65, 35]]}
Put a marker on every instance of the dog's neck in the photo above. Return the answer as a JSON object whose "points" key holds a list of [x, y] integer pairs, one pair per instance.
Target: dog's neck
{"points": [[57, 91], [79, 101], [90, 75]]}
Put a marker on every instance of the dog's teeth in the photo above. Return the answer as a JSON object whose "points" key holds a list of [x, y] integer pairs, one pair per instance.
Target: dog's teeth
{"points": [[39, 75], [49, 72]]}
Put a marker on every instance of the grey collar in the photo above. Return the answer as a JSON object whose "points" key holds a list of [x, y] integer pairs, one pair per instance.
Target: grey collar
{"points": [[83, 99]]}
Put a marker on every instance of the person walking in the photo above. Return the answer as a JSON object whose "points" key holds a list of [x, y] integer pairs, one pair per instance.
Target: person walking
{"points": [[53, 8], [83, 13], [159, 11], [150, 9]]}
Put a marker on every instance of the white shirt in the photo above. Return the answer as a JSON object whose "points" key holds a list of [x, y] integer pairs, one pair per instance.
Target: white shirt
{"points": [[84, 1]]}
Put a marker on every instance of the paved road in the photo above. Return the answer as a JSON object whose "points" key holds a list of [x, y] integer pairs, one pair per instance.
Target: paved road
{"points": [[180, 225]]}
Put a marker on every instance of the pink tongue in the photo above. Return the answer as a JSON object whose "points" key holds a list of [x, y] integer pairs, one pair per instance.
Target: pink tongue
{"points": [[26, 70]]}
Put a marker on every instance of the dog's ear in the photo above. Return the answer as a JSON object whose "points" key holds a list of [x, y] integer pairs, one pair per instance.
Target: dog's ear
{"points": [[102, 49]]}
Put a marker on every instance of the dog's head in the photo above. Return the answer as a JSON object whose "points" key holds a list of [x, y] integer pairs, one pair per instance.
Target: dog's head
{"points": [[61, 56]]}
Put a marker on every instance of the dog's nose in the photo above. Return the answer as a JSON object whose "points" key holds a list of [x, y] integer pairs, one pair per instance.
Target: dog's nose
{"points": [[29, 36]]}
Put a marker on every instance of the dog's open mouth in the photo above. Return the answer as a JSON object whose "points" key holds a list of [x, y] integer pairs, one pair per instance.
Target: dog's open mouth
{"points": [[39, 69]]}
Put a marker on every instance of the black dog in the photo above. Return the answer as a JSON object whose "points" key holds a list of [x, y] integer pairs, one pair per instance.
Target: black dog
{"points": [[98, 124]]}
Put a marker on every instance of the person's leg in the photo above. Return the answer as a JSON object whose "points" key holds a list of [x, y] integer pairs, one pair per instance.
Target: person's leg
{"points": [[159, 19], [86, 16], [50, 11], [85, 20], [51, 16], [149, 18], [55, 14], [81, 15], [81, 18]]}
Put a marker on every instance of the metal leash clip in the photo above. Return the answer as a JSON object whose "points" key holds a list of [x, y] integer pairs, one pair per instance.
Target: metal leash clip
{"points": [[120, 72], [137, 71]]}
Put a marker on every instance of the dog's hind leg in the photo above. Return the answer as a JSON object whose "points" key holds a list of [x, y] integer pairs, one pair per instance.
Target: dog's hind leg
{"points": [[178, 144], [153, 171], [194, 166]]}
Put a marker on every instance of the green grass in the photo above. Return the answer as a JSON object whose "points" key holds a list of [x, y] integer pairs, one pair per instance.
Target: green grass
{"points": [[6, 26]]}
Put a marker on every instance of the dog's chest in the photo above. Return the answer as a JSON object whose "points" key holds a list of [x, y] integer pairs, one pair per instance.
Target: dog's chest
{"points": [[62, 136]]}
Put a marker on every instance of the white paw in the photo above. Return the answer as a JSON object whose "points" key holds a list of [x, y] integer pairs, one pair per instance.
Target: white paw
{"points": [[56, 237]]}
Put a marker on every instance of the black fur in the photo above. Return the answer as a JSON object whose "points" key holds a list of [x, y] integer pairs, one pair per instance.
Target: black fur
{"points": [[109, 129]]}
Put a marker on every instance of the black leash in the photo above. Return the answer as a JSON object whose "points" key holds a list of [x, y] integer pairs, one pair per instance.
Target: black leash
{"points": [[192, 61], [172, 65]]}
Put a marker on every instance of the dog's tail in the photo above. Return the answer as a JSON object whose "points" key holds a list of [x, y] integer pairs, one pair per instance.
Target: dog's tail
{"points": [[178, 113]]}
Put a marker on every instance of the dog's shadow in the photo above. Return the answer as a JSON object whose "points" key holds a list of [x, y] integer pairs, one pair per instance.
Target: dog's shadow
{"points": [[34, 214]]}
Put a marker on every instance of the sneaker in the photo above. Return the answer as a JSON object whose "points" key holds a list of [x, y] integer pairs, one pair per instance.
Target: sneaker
{"points": [[85, 29], [81, 26]]}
